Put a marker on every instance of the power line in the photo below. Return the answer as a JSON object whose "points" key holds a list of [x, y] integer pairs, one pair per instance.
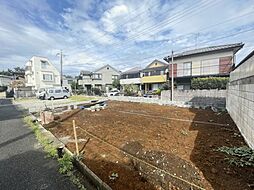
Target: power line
{"points": [[185, 11], [205, 28]]}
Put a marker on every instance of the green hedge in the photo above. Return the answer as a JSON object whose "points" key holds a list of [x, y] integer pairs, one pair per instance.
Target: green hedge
{"points": [[209, 83]]}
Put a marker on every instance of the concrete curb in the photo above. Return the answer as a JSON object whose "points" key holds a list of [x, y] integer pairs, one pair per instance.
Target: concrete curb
{"points": [[89, 174]]}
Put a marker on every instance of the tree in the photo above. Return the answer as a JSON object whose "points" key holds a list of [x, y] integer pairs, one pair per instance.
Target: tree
{"points": [[116, 84], [10, 72], [130, 89]]}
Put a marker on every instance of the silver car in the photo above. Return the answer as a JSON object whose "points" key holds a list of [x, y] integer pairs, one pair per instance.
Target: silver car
{"points": [[55, 93]]}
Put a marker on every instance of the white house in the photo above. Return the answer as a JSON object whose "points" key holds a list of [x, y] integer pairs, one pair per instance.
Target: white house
{"points": [[41, 73]]}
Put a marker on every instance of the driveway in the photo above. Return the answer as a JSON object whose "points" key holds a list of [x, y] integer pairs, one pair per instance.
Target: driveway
{"points": [[23, 164]]}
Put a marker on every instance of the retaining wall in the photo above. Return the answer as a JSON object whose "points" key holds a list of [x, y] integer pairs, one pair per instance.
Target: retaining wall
{"points": [[186, 98], [240, 98], [198, 98]]}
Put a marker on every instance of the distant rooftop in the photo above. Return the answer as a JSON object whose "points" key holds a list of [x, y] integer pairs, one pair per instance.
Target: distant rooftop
{"points": [[83, 72], [132, 70], [234, 47]]}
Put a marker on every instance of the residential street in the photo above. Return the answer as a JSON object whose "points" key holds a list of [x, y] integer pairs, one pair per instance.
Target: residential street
{"points": [[23, 164]]}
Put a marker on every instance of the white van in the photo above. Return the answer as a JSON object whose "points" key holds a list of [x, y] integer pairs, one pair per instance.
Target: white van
{"points": [[55, 93]]}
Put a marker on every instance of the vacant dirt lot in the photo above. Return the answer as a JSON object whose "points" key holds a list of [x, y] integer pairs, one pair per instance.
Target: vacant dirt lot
{"points": [[152, 146]]}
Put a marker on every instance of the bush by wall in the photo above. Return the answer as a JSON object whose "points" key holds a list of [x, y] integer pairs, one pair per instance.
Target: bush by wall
{"points": [[209, 83]]}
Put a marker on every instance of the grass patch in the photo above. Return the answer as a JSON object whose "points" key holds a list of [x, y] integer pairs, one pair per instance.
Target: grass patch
{"points": [[238, 156], [80, 98], [30, 99], [65, 163]]}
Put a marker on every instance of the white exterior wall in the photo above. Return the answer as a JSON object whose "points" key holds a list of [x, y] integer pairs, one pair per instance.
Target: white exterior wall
{"points": [[130, 81], [34, 76], [197, 63]]}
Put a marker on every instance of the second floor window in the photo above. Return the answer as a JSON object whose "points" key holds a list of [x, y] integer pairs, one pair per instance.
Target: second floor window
{"points": [[47, 77], [114, 77], [44, 64], [187, 69], [97, 76]]}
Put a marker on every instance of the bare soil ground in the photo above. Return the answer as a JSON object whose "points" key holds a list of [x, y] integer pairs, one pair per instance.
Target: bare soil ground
{"points": [[153, 147]]}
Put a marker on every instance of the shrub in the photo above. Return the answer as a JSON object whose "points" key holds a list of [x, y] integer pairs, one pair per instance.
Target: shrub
{"points": [[238, 156], [96, 91], [130, 89], [209, 83], [116, 84]]}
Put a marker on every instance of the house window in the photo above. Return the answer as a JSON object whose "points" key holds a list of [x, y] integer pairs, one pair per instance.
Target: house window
{"points": [[187, 69], [114, 77], [97, 76], [47, 77], [209, 67], [44, 64], [146, 74]]}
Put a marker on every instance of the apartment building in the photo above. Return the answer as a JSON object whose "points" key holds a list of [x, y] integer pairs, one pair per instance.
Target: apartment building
{"points": [[41, 73], [101, 78], [203, 62]]}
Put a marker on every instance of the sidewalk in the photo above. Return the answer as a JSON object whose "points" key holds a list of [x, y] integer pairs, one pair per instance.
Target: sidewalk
{"points": [[23, 164]]}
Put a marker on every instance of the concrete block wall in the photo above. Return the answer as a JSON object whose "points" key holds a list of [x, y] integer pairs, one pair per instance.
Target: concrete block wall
{"points": [[240, 99], [198, 98]]}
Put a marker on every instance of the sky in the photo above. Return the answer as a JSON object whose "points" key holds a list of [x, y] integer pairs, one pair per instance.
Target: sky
{"points": [[122, 33]]}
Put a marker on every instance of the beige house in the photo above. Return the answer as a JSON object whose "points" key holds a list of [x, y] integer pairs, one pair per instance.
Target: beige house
{"points": [[203, 62], [101, 78], [41, 73]]}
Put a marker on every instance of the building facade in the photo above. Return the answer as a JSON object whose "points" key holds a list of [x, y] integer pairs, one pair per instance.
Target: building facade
{"points": [[101, 78], [203, 62], [154, 76], [131, 77], [40, 73]]}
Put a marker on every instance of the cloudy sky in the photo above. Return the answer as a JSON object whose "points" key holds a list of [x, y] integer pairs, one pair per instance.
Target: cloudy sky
{"points": [[122, 33]]}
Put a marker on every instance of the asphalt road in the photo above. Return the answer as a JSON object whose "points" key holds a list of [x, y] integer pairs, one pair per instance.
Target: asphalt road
{"points": [[23, 164]]}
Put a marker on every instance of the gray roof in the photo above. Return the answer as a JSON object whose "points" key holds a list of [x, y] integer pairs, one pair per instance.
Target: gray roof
{"points": [[85, 72], [132, 70], [234, 47]]}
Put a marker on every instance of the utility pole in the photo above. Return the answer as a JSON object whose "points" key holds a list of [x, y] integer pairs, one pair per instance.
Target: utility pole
{"points": [[61, 67], [172, 76]]}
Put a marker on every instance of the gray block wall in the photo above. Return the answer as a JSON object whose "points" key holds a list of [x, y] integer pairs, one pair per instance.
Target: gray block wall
{"points": [[240, 99], [198, 98]]}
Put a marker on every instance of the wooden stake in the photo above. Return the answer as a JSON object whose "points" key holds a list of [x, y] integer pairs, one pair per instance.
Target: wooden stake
{"points": [[75, 136]]}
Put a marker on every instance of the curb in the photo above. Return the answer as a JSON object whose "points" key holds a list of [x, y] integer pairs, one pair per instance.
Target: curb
{"points": [[89, 174]]}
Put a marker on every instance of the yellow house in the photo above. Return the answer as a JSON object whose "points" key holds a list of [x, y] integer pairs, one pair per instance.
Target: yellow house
{"points": [[154, 75]]}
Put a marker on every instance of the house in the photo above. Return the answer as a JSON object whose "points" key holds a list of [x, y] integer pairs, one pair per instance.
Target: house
{"points": [[203, 62], [131, 77], [154, 75], [41, 73], [101, 78]]}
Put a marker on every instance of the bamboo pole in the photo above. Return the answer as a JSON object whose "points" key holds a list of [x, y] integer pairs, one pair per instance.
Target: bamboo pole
{"points": [[75, 136]]}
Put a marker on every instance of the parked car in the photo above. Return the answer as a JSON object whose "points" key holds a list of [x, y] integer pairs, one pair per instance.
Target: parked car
{"points": [[113, 92], [55, 93]]}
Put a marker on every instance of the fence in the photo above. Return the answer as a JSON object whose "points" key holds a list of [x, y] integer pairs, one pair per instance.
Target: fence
{"points": [[23, 92], [240, 98]]}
